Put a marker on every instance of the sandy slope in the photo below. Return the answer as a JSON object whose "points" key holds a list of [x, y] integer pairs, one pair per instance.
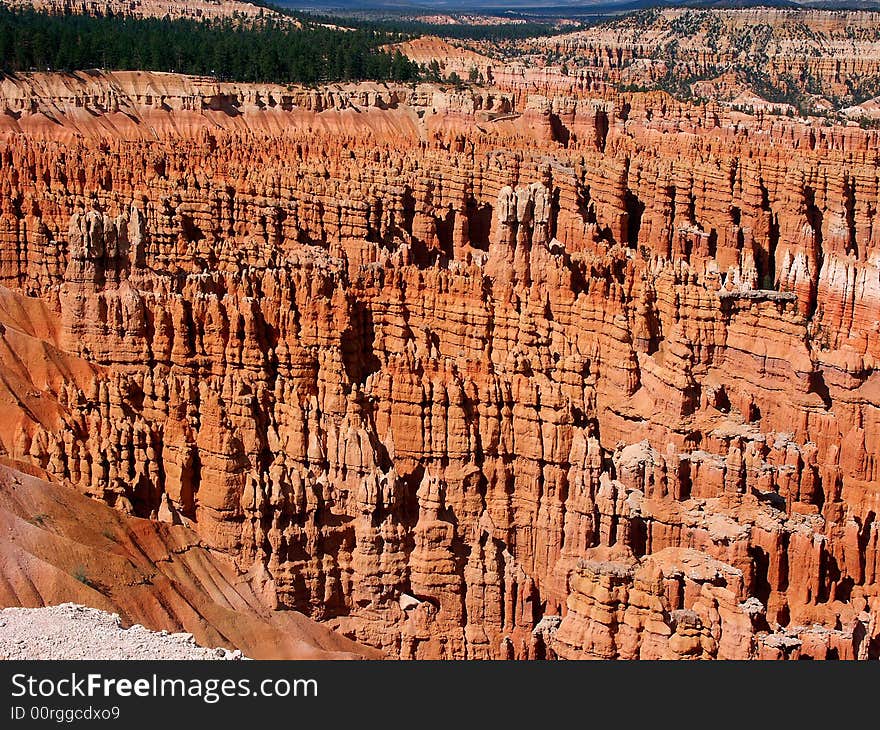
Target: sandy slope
{"points": [[59, 546]]}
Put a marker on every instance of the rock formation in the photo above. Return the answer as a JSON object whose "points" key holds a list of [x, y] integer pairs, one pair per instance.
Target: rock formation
{"points": [[457, 375], [759, 60], [58, 546], [202, 10]]}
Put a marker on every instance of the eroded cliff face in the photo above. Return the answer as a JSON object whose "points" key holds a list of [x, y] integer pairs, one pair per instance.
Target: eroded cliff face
{"points": [[467, 379], [203, 10], [777, 60]]}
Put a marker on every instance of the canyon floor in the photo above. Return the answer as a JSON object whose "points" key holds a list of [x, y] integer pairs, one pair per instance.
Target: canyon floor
{"points": [[554, 364]]}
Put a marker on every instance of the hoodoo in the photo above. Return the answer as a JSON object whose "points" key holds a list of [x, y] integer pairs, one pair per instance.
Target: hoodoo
{"points": [[529, 368]]}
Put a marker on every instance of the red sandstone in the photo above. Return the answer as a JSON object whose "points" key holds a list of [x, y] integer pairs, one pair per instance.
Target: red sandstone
{"points": [[458, 375]]}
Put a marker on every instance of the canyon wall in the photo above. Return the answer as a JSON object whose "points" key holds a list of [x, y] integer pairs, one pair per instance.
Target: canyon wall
{"points": [[202, 10], [790, 60], [460, 373], [58, 545]]}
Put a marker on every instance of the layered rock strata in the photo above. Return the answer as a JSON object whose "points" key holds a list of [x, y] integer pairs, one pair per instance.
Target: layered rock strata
{"points": [[203, 10], [465, 378], [758, 59]]}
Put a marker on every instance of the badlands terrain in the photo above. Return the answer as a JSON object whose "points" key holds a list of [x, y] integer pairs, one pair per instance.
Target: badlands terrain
{"points": [[554, 364], [173, 9]]}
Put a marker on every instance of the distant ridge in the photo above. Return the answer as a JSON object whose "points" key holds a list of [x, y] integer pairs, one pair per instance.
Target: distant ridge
{"points": [[574, 8]]}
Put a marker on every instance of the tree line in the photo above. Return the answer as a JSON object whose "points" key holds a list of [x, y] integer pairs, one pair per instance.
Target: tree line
{"points": [[228, 49]]}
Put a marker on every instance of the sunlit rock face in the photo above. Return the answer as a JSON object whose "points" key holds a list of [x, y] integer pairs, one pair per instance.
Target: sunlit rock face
{"points": [[458, 376]]}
